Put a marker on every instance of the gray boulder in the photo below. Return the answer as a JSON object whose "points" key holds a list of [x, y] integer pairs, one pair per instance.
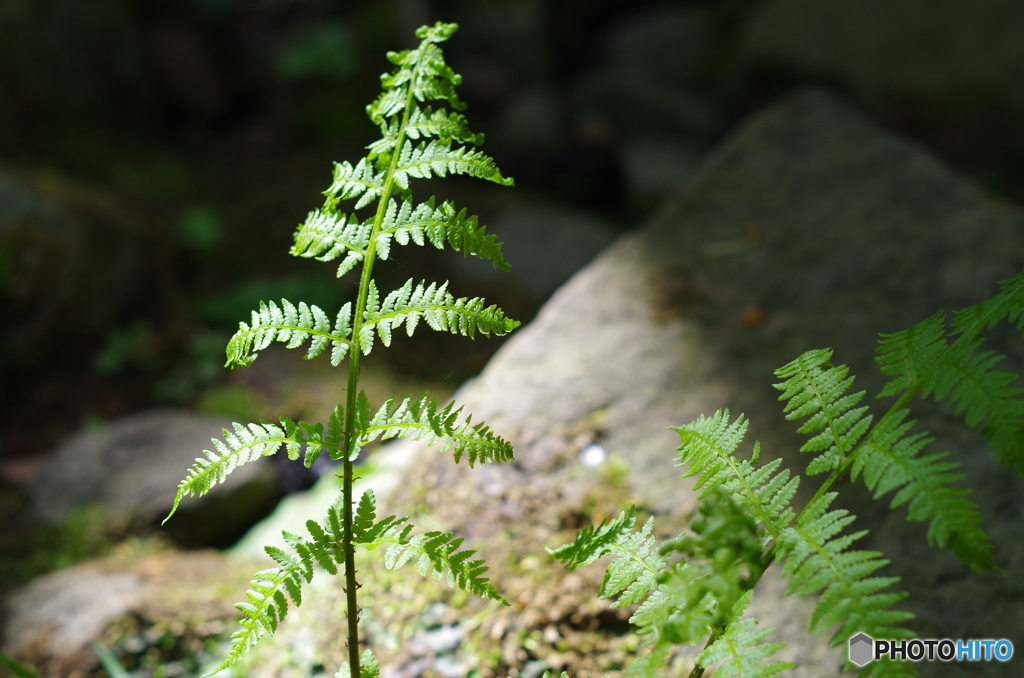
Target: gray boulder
{"points": [[132, 466]]}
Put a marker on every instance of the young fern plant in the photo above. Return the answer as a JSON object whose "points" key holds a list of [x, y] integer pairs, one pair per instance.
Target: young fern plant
{"points": [[747, 518], [417, 141]]}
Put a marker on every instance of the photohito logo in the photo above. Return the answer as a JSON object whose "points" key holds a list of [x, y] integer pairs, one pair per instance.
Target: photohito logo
{"points": [[864, 649]]}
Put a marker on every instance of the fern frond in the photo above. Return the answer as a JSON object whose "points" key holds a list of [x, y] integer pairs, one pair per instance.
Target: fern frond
{"points": [[425, 122], [814, 388], [326, 235], [708, 446], [888, 457], [246, 444], [438, 554], [434, 305], [740, 653], [270, 589], [294, 325], [421, 420], [592, 542], [359, 181], [889, 460], [923, 361], [366, 529], [633, 573], [438, 157], [1007, 304], [818, 560], [425, 222]]}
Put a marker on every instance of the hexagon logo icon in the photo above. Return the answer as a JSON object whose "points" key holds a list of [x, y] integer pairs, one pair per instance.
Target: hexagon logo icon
{"points": [[862, 649]]}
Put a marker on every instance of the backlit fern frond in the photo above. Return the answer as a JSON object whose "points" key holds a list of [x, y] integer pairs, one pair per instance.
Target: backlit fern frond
{"points": [[427, 223], [634, 572], [818, 559], [327, 234], [294, 325], [924, 361], [369, 531], [270, 589], [361, 181], [425, 122], [421, 420], [438, 157], [436, 307], [438, 553], [246, 444], [813, 388]]}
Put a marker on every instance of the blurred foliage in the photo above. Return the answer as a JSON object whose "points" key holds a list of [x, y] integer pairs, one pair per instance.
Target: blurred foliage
{"points": [[44, 548]]}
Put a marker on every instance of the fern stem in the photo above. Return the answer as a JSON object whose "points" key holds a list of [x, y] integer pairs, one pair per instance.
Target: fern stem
{"points": [[351, 432]]}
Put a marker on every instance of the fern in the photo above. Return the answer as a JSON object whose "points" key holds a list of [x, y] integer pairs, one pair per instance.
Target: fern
{"points": [[746, 518], [417, 143]]}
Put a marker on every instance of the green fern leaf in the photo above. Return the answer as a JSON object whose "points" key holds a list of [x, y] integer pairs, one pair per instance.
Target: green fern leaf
{"points": [[740, 653], [708, 447], [421, 420], [369, 531], [923, 361], [327, 235], [294, 325], [438, 157], [438, 554], [435, 306], [813, 388], [1007, 305], [359, 181], [818, 560], [425, 122], [427, 223], [592, 542], [889, 460], [241, 446], [270, 589]]}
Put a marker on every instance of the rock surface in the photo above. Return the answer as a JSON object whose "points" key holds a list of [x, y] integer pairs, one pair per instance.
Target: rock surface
{"points": [[808, 228], [54, 622], [132, 466]]}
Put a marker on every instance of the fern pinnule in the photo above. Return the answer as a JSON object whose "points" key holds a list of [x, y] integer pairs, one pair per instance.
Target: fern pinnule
{"points": [[740, 653], [889, 460], [817, 559], [246, 444], [270, 589], [326, 235], [421, 420], [814, 389], [435, 306], [927, 362], [708, 446], [291, 325]]}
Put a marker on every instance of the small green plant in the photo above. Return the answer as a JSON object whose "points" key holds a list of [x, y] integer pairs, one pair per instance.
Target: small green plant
{"points": [[417, 141], [696, 587]]}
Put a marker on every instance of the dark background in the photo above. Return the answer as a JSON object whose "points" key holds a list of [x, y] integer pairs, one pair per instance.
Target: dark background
{"points": [[155, 157]]}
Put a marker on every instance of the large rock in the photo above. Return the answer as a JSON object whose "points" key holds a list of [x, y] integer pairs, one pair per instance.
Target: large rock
{"points": [[807, 228], [132, 466], [130, 601]]}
